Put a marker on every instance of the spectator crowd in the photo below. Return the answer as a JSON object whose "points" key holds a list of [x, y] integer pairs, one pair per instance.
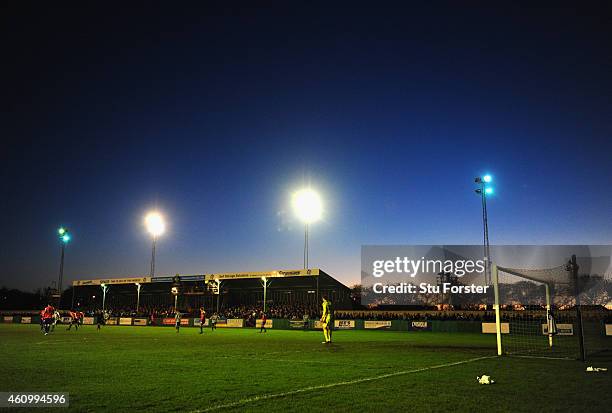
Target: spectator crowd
{"points": [[250, 313]]}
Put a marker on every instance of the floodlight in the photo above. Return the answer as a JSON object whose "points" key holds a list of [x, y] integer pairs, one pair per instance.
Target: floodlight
{"points": [[484, 190], [155, 224], [307, 205]]}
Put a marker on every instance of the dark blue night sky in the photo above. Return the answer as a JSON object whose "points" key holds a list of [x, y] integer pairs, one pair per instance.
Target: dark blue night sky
{"points": [[214, 116]]}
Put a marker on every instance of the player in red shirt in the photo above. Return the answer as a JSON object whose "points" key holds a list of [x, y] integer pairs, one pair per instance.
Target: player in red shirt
{"points": [[47, 317], [202, 319], [74, 320]]}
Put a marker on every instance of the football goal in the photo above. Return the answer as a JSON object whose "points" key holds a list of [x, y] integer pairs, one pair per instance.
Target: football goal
{"points": [[538, 311]]}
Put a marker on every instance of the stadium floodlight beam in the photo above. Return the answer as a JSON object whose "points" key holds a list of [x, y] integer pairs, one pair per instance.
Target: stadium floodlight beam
{"points": [[64, 237], [483, 190], [156, 226]]}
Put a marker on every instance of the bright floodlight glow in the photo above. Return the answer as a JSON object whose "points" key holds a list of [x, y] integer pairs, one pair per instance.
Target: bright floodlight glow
{"points": [[489, 191], [155, 224], [66, 238], [61, 231], [307, 205], [487, 178]]}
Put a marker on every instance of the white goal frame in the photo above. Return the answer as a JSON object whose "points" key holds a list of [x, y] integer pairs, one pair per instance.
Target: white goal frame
{"points": [[497, 305]]}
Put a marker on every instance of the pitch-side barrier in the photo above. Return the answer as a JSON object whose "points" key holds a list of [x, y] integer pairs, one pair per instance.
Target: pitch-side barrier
{"points": [[449, 326]]}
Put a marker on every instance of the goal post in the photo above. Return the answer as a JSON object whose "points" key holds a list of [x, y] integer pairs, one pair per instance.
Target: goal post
{"points": [[552, 329], [496, 307]]}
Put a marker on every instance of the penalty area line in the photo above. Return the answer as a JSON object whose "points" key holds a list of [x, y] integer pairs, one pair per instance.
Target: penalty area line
{"points": [[337, 384]]}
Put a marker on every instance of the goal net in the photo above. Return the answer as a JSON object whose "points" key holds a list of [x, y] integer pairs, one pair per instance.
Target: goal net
{"points": [[535, 312], [554, 312]]}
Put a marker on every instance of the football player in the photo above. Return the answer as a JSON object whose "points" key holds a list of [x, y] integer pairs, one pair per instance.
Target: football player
{"points": [[327, 320], [202, 319]]}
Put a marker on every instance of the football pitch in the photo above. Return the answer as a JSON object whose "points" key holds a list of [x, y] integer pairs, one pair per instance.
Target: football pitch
{"points": [[156, 369]]}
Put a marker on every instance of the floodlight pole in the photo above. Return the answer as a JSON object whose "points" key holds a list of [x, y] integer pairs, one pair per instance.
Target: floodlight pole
{"points": [[61, 273], [482, 191], [485, 222], [138, 285], [104, 288], [153, 256], [573, 268], [218, 294], [496, 306], [264, 281], [306, 246]]}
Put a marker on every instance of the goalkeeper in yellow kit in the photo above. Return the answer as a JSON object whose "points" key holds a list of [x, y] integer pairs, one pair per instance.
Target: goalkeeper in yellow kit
{"points": [[327, 319]]}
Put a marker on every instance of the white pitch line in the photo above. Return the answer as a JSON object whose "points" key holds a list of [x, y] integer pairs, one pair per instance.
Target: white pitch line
{"points": [[282, 360], [337, 384]]}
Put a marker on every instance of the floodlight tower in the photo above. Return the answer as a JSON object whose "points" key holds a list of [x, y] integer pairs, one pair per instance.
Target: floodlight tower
{"points": [[156, 226], [64, 237], [484, 189], [307, 206]]}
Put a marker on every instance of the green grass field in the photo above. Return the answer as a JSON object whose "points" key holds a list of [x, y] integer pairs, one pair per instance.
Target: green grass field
{"points": [[155, 369]]}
